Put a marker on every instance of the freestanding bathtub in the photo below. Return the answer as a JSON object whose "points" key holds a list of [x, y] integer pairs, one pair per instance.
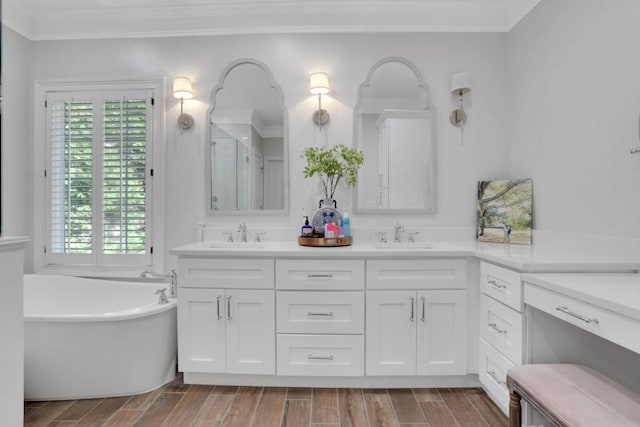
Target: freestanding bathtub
{"points": [[89, 338]]}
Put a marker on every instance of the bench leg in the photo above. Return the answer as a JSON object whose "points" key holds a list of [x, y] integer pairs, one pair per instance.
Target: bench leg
{"points": [[515, 410]]}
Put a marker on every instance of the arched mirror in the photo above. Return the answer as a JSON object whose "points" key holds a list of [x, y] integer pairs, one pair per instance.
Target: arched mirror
{"points": [[247, 142], [394, 126]]}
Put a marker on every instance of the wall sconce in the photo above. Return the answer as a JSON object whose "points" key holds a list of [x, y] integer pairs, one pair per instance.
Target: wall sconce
{"points": [[460, 85], [319, 85], [182, 90]]}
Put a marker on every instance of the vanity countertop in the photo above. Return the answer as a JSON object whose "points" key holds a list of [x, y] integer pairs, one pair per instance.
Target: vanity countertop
{"points": [[526, 258], [617, 292]]}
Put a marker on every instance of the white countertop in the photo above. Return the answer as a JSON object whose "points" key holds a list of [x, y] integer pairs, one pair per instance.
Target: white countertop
{"points": [[525, 258], [617, 292]]}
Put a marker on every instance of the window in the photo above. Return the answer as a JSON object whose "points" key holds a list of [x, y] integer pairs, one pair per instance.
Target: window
{"points": [[99, 177]]}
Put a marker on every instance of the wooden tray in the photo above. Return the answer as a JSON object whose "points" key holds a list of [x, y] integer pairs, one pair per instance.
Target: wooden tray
{"points": [[325, 242]]}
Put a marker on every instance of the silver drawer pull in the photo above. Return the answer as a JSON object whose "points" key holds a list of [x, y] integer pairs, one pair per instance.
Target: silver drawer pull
{"points": [[413, 309], [311, 313], [496, 284], [494, 377], [424, 311], [228, 308], [498, 330], [566, 310], [218, 306], [312, 357], [319, 275]]}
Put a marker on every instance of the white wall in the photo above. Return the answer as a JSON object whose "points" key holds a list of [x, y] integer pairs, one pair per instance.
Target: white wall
{"points": [[347, 59], [16, 147], [574, 102]]}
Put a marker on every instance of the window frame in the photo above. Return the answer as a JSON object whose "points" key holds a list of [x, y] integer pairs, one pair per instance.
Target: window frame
{"points": [[98, 261]]}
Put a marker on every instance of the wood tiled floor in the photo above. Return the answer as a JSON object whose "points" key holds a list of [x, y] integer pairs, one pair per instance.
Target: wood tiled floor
{"points": [[177, 404]]}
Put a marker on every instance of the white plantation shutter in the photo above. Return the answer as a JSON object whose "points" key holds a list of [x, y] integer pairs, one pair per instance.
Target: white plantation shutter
{"points": [[99, 181]]}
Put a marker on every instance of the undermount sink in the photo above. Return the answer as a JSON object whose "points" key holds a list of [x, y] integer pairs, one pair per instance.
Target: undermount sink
{"points": [[235, 245], [403, 245]]}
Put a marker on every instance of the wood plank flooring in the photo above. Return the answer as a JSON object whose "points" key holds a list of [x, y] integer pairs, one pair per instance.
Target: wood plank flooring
{"points": [[178, 404]]}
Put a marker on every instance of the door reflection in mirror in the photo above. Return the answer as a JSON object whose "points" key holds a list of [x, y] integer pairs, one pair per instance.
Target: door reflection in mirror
{"points": [[395, 129]]}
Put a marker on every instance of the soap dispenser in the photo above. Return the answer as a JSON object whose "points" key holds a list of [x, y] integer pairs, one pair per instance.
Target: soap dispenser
{"points": [[307, 230]]}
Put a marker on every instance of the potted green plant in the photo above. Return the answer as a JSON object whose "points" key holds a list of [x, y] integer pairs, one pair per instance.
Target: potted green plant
{"points": [[332, 164]]}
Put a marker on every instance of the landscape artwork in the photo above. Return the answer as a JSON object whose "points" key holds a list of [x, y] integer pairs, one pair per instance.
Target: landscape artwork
{"points": [[505, 212]]}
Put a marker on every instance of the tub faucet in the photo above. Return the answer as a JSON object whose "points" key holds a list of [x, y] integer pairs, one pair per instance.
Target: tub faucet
{"points": [[398, 229], [162, 299], [242, 228], [172, 276]]}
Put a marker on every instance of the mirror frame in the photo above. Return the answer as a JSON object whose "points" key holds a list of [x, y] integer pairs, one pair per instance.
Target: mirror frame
{"points": [[285, 128], [429, 107]]}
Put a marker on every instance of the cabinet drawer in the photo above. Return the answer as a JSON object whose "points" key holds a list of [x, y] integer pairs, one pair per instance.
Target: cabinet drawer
{"points": [[322, 274], [417, 274], [321, 355], [226, 273], [502, 284], [612, 326], [319, 312], [501, 327], [492, 372]]}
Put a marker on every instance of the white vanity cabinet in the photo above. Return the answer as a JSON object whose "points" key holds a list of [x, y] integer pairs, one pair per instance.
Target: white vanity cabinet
{"points": [[418, 324], [501, 329], [226, 316]]}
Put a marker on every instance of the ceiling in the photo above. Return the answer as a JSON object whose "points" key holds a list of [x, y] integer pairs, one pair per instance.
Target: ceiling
{"points": [[90, 19]]}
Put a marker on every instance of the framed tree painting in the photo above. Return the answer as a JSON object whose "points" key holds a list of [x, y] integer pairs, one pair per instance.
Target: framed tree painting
{"points": [[505, 211]]}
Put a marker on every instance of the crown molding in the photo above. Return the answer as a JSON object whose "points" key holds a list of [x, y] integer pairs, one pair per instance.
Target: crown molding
{"points": [[69, 19]]}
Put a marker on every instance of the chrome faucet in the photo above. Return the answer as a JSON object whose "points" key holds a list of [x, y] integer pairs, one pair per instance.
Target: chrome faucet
{"points": [[162, 299], [172, 276], [242, 228], [398, 229]]}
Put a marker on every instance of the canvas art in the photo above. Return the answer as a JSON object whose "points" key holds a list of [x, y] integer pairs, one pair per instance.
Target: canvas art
{"points": [[505, 211]]}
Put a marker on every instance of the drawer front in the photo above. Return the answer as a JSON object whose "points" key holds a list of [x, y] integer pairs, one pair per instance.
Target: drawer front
{"points": [[492, 372], [321, 355], [324, 274], [501, 284], [612, 326], [320, 312], [226, 273], [417, 274], [501, 327]]}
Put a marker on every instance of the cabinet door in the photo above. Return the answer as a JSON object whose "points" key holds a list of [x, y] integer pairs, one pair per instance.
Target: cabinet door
{"points": [[442, 333], [251, 339], [391, 333], [201, 330]]}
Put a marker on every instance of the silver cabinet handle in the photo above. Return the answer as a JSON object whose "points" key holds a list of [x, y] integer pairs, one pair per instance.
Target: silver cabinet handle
{"points": [[319, 275], [218, 306], [496, 284], [498, 330], [312, 357], [424, 310], [311, 313], [585, 319], [228, 308], [494, 377], [413, 309]]}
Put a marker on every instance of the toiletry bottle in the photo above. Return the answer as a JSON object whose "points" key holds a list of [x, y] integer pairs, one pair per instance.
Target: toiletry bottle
{"points": [[340, 229], [307, 230], [346, 225]]}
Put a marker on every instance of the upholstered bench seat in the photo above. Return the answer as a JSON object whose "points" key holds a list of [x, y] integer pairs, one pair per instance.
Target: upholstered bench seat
{"points": [[572, 395]]}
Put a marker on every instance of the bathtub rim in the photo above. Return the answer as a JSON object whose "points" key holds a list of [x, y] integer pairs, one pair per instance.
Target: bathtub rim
{"points": [[110, 316]]}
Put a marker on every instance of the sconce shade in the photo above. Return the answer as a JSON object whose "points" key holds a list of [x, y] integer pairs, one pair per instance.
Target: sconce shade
{"points": [[319, 83], [460, 83], [182, 88]]}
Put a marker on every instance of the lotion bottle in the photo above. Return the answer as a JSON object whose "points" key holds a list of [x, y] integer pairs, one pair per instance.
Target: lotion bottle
{"points": [[307, 230], [346, 225]]}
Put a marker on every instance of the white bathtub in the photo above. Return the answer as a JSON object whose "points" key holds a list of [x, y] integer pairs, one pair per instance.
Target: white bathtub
{"points": [[95, 338]]}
